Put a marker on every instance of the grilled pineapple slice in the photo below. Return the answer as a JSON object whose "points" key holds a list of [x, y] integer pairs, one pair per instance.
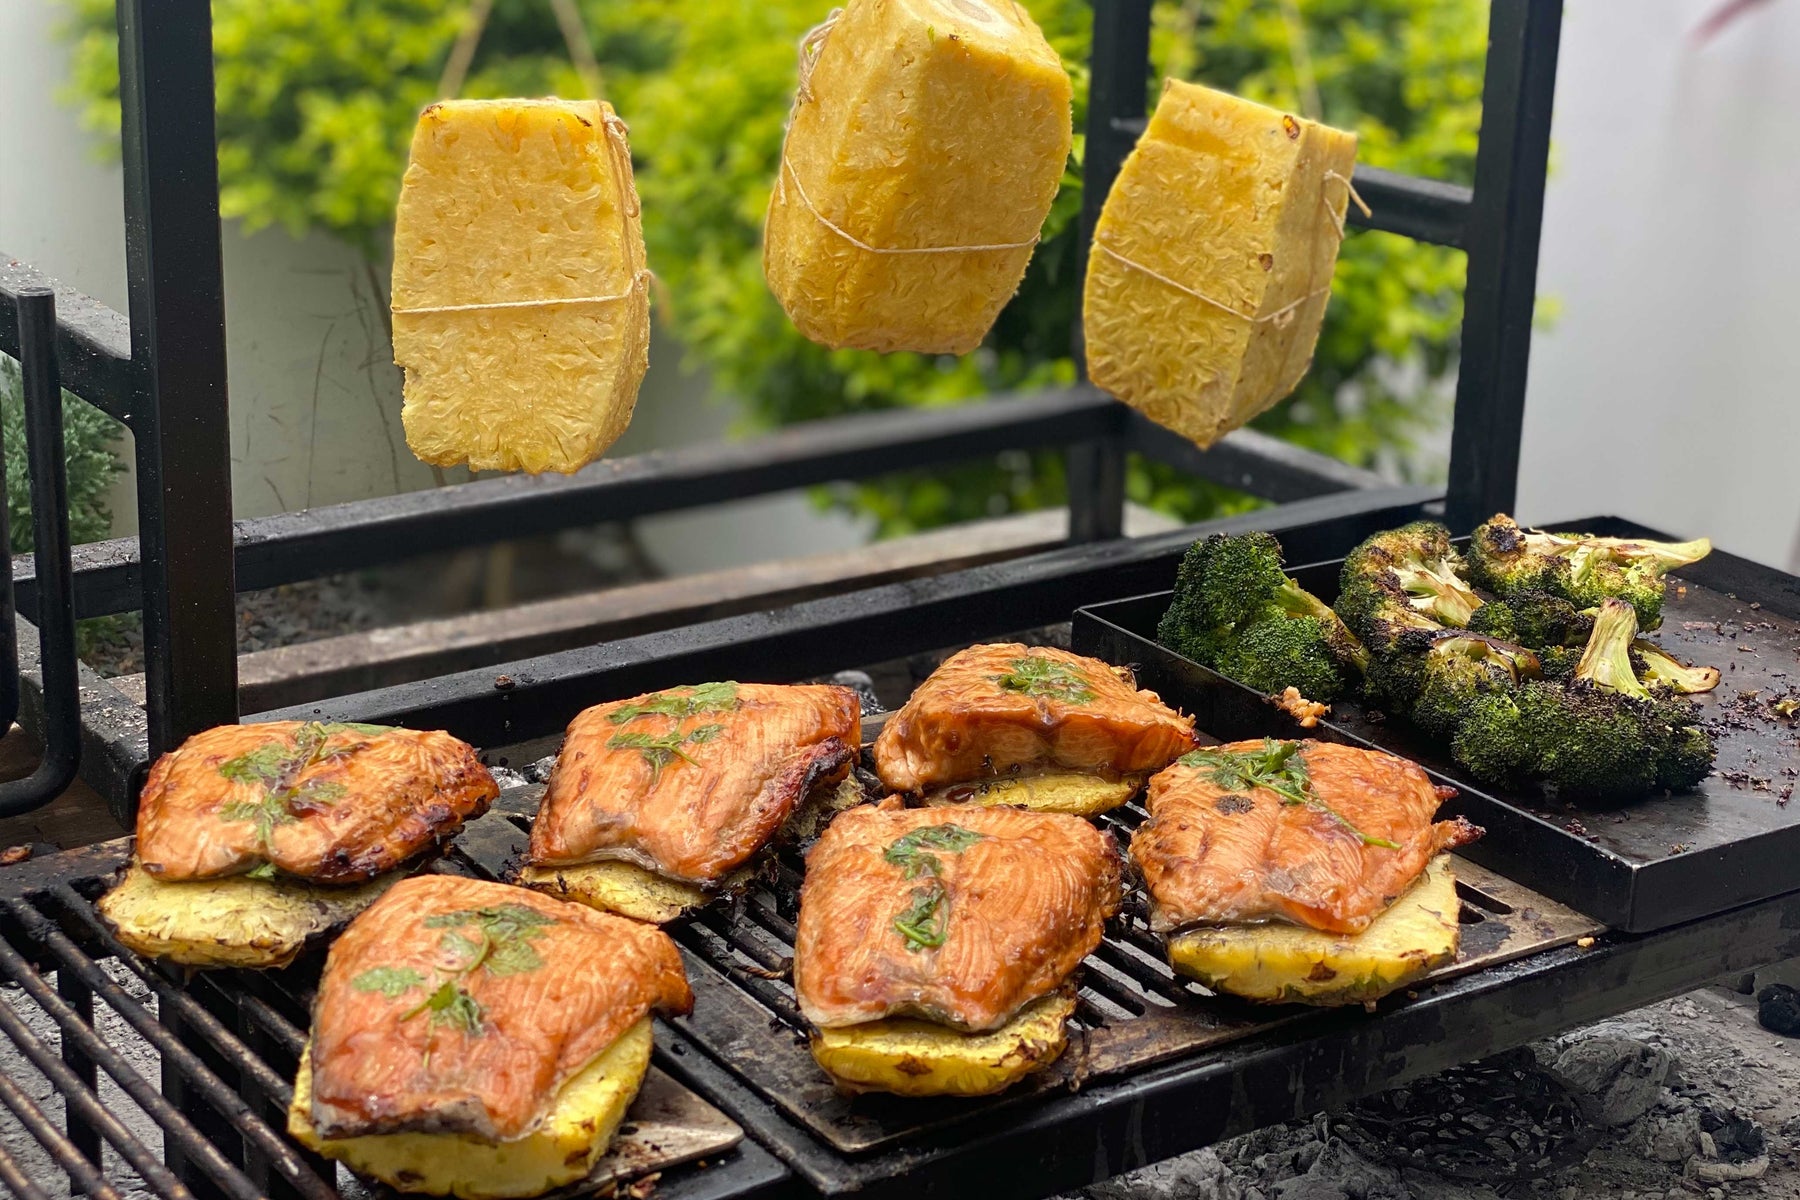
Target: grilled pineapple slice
{"points": [[521, 300], [232, 922], [1281, 964], [625, 888], [1058, 792], [921, 1058], [574, 1134]]}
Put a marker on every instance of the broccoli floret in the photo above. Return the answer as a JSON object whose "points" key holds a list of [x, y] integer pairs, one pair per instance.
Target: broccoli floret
{"points": [[1415, 563], [1461, 668], [1581, 568], [1535, 619], [1662, 671], [1559, 662], [1235, 610], [1600, 734]]}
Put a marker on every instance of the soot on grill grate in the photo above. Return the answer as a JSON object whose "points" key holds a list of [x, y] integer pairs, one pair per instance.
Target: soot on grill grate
{"points": [[1499, 1119]]}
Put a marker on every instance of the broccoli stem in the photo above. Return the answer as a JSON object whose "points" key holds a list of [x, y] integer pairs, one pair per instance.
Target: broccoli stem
{"points": [[1607, 660], [1660, 667], [1296, 601]]}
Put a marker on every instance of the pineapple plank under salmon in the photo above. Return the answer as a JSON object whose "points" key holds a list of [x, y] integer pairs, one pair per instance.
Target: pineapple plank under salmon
{"points": [[935, 944], [1034, 726], [457, 1028], [655, 802]]}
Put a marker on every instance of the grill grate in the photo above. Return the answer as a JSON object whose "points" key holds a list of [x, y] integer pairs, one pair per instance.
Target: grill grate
{"points": [[1132, 1010], [133, 1078]]}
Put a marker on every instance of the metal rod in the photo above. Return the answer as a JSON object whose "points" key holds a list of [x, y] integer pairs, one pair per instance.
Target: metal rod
{"points": [[177, 292], [84, 1176], [1504, 226], [93, 342], [50, 551], [80, 999], [17, 1182]]}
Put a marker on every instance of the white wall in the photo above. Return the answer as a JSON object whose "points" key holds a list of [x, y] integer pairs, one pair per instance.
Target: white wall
{"points": [[1667, 389]]}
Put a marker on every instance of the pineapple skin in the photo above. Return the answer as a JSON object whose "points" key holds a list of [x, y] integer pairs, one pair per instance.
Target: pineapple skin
{"points": [[1286, 964], [1230, 199], [563, 1149], [920, 1058], [932, 123], [509, 201]]}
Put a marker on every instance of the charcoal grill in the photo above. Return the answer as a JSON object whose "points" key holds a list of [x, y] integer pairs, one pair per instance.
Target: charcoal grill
{"points": [[134, 1078]]}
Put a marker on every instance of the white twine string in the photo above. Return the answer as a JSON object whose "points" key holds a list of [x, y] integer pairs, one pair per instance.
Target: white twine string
{"points": [[1281, 316], [811, 46], [619, 147]]}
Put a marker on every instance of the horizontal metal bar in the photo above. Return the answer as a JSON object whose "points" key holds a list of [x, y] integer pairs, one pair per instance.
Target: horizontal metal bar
{"points": [[1251, 461], [93, 342], [1426, 210], [347, 537], [290, 547], [839, 631]]}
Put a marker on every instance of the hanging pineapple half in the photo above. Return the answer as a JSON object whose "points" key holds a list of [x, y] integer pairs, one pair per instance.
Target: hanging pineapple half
{"points": [[927, 142], [1212, 260], [520, 295]]}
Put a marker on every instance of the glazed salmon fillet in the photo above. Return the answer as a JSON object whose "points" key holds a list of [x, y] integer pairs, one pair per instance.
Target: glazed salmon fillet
{"points": [[961, 916], [692, 781], [329, 803], [1312, 833], [462, 1006], [997, 708]]}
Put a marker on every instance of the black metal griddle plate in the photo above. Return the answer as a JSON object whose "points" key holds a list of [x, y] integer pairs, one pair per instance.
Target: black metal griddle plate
{"points": [[1638, 866], [1133, 1011]]}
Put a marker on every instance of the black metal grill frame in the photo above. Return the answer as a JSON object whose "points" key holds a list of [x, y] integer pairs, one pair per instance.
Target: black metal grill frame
{"points": [[163, 374]]}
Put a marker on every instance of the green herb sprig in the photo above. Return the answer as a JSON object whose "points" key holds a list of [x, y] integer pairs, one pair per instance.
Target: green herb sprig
{"points": [[277, 768], [501, 946], [1278, 767], [1034, 675], [681, 702], [659, 750], [926, 921]]}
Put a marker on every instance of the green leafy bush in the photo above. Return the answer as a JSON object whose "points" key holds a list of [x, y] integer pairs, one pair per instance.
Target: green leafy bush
{"points": [[317, 99], [89, 438]]}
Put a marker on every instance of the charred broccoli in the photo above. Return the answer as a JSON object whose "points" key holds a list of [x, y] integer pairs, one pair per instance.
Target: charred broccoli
{"points": [[1661, 670], [1236, 610], [1600, 734], [1459, 669], [1580, 568], [1534, 618], [1415, 564]]}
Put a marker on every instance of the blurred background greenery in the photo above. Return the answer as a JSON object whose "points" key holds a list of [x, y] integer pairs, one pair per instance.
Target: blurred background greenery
{"points": [[317, 100]]}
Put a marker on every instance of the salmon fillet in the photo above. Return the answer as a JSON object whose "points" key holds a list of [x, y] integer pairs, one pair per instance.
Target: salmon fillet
{"points": [[992, 709], [959, 915], [461, 1006], [1302, 846], [328, 803], [692, 781]]}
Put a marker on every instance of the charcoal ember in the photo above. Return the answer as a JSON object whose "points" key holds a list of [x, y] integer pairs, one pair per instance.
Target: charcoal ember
{"points": [[1617, 1079], [539, 771], [1197, 1176], [864, 687], [1778, 1009], [1672, 1137]]}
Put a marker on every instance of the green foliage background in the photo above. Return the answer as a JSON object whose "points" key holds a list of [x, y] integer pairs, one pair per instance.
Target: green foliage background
{"points": [[317, 100], [89, 439]]}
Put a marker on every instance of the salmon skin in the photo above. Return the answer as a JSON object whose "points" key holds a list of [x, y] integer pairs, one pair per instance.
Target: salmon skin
{"points": [[692, 781], [958, 915], [993, 709], [1312, 833], [462, 1006], [326, 802]]}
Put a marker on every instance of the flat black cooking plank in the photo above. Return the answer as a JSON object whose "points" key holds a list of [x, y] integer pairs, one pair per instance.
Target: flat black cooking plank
{"points": [[1638, 866]]}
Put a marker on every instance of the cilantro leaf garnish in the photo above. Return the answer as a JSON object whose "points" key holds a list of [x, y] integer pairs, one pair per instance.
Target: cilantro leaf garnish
{"points": [[1277, 767], [912, 850], [926, 921], [392, 982], [659, 750], [276, 769], [1050, 678], [680, 702]]}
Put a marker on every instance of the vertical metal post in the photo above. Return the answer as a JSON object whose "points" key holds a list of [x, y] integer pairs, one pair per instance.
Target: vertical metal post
{"points": [[178, 347], [1505, 221], [1119, 82]]}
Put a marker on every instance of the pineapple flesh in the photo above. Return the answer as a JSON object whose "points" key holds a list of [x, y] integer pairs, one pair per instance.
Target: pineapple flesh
{"points": [[625, 888], [1287, 964], [572, 1137], [1054, 791], [923, 125], [1235, 202], [526, 211], [910, 1057]]}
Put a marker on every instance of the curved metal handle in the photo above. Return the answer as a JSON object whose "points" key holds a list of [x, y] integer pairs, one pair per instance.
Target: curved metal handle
{"points": [[55, 579]]}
